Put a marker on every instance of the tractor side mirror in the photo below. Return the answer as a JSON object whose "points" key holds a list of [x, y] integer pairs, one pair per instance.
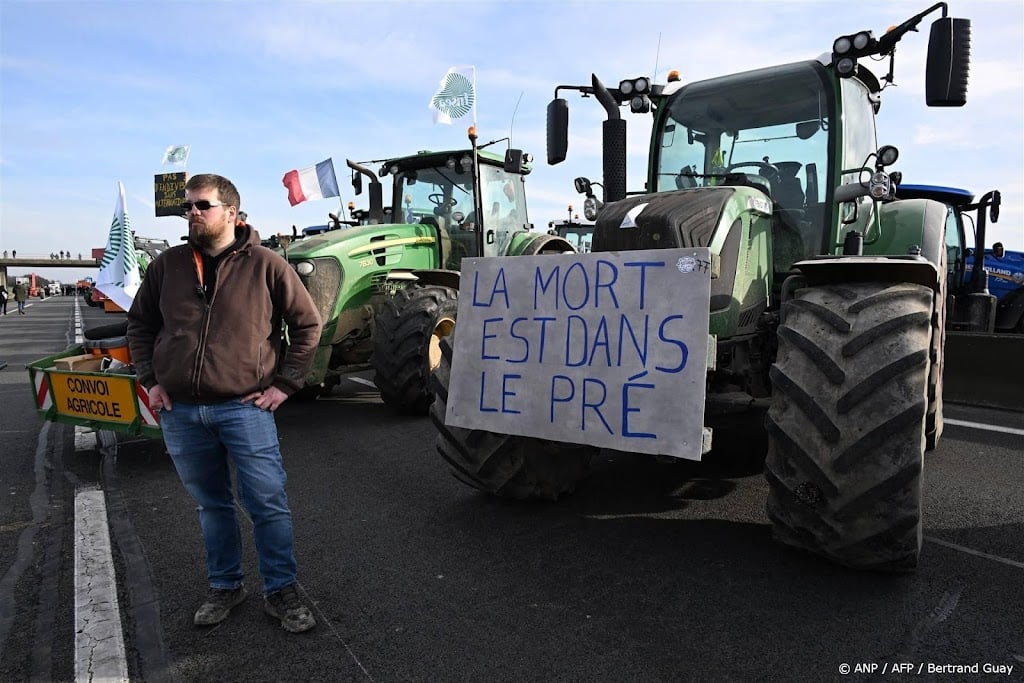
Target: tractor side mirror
{"points": [[557, 130], [949, 61], [514, 160], [357, 182]]}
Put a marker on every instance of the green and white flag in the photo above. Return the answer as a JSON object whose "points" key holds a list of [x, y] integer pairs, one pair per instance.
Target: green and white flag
{"points": [[456, 95], [119, 276], [176, 155]]}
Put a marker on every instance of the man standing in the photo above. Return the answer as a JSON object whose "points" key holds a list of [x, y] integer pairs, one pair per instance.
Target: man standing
{"points": [[205, 334]]}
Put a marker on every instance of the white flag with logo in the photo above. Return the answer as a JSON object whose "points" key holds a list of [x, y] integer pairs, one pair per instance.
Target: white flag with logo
{"points": [[456, 95], [176, 155], [119, 276]]}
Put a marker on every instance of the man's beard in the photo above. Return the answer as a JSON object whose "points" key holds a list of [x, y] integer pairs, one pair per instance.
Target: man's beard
{"points": [[203, 235]]}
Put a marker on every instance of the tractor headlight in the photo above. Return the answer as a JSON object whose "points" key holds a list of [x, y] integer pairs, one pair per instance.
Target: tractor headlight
{"points": [[640, 104], [305, 268], [590, 207], [626, 88], [842, 45], [887, 155], [861, 40], [847, 66]]}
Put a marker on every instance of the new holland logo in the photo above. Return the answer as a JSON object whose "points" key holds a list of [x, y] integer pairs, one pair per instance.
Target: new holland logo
{"points": [[456, 96]]}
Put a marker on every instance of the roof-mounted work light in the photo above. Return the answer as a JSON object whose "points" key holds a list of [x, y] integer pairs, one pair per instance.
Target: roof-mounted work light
{"points": [[636, 90], [846, 50]]}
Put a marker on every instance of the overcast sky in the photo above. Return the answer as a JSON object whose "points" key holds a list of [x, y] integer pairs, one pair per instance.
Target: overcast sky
{"points": [[92, 93]]}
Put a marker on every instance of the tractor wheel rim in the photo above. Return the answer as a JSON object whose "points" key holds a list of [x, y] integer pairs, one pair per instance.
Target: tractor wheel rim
{"points": [[442, 329]]}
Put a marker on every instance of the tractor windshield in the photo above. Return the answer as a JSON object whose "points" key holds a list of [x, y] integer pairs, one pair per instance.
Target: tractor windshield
{"points": [[767, 128], [444, 196], [435, 193]]}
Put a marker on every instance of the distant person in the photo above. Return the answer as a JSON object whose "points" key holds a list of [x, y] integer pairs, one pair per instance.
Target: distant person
{"points": [[205, 334], [79, 256], [3, 299], [243, 222], [5, 253], [21, 296], [14, 253]]}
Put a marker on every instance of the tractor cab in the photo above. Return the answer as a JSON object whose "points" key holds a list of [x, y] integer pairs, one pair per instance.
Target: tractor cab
{"points": [[780, 139], [445, 189], [769, 130], [579, 235]]}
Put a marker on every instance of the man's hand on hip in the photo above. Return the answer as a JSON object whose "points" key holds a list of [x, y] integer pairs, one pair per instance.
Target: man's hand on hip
{"points": [[270, 398]]}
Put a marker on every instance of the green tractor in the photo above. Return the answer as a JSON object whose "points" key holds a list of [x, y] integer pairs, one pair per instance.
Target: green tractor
{"points": [[826, 308], [387, 288]]}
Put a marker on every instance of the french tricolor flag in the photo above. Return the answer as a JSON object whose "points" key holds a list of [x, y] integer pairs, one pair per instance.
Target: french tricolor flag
{"points": [[315, 182]]}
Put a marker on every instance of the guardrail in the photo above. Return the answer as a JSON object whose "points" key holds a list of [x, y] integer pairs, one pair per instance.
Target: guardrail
{"points": [[984, 370]]}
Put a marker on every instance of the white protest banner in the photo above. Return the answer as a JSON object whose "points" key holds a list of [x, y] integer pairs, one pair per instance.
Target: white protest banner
{"points": [[607, 349]]}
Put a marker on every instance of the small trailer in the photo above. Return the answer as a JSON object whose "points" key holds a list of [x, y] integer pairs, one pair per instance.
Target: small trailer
{"points": [[89, 385]]}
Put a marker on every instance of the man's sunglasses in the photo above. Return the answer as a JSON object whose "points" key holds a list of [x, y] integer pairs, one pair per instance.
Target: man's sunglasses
{"points": [[202, 205]]}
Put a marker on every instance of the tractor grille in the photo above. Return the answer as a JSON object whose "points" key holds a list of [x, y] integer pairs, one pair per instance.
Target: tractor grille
{"points": [[323, 285]]}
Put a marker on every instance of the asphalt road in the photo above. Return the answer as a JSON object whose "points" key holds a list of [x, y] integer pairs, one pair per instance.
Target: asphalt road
{"points": [[654, 570]]}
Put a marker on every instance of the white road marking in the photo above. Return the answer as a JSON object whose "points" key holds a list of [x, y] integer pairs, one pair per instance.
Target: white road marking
{"points": [[99, 643], [983, 426], [85, 439], [972, 551], [79, 337]]}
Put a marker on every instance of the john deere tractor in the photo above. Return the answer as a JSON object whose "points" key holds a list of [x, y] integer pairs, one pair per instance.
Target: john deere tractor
{"points": [[387, 289], [826, 307]]}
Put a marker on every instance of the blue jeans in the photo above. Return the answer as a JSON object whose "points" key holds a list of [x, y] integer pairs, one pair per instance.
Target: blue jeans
{"points": [[202, 440]]}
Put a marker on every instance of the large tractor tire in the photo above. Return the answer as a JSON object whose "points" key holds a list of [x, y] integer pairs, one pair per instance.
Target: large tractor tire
{"points": [[933, 420], [846, 427], [406, 345], [509, 466]]}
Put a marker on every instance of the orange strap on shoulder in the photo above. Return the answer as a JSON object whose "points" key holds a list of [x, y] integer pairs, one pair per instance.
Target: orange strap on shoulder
{"points": [[198, 258]]}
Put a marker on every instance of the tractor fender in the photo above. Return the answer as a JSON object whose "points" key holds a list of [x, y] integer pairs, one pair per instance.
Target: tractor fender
{"points": [[438, 276], [531, 243], [909, 249], [832, 269]]}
